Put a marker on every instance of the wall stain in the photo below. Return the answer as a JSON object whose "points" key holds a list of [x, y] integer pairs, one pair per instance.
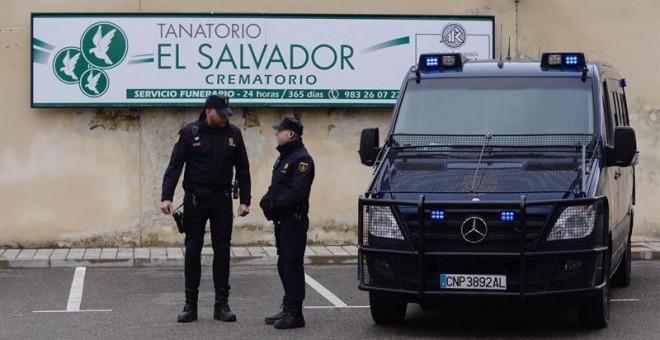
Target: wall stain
{"points": [[116, 119], [251, 119]]}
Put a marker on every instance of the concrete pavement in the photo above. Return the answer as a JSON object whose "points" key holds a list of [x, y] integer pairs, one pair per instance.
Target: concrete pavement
{"points": [[173, 256]]}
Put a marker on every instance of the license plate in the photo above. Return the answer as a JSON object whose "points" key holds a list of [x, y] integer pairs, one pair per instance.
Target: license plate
{"points": [[471, 281]]}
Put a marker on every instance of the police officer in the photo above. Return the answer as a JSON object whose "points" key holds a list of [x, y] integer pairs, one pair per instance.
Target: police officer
{"points": [[286, 203], [210, 148]]}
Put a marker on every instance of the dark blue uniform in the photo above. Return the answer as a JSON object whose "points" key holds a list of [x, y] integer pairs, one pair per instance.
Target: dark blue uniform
{"points": [[210, 156], [287, 203]]}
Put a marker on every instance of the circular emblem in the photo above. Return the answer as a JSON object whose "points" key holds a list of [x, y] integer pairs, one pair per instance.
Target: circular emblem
{"points": [[474, 230], [453, 35], [69, 66], [94, 82], [104, 45]]}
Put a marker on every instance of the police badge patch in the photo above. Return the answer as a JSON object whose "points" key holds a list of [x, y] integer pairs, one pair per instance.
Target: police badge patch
{"points": [[302, 167]]}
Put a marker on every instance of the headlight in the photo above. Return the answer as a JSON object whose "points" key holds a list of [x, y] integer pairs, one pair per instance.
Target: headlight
{"points": [[573, 223], [381, 223]]}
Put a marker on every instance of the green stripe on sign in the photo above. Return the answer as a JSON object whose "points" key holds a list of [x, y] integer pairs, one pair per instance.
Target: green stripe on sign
{"points": [[389, 43], [42, 44], [39, 56], [141, 61]]}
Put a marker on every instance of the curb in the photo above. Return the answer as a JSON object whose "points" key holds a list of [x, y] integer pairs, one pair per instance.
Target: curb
{"points": [[162, 257], [174, 256], [159, 262]]}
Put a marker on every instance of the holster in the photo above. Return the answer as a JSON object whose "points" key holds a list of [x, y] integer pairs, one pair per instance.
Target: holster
{"points": [[180, 223]]}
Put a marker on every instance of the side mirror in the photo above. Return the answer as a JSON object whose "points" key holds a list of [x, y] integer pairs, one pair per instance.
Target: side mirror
{"points": [[369, 146], [624, 152]]}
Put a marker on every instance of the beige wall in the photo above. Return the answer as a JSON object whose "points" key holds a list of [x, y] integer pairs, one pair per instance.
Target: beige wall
{"points": [[92, 177]]}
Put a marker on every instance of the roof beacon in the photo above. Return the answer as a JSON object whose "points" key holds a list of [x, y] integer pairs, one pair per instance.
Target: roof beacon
{"points": [[440, 62], [563, 61]]}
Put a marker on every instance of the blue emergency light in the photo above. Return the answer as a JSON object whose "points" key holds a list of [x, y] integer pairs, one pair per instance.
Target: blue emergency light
{"points": [[507, 216], [563, 61], [437, 215], [440, 62]]}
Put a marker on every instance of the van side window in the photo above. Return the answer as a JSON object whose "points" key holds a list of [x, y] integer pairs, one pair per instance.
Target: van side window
{"points": [[607, 113], [616, 108], [624, 110]]}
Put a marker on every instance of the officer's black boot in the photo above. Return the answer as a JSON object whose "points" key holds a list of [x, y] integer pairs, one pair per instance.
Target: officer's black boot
{"points": [[221, 309], [271, 319], [293, 317], [189, 312]]}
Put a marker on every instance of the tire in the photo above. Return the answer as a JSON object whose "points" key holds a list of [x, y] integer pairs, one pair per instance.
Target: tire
{"points": [[622, 276], [386, 311], [595, 313]]}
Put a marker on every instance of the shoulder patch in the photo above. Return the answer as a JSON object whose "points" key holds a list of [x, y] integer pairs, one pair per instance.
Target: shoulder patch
{"points": [[303, 166]]}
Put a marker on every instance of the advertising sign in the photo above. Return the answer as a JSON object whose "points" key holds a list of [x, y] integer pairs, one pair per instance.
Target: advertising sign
{"points": [[130, 60]]}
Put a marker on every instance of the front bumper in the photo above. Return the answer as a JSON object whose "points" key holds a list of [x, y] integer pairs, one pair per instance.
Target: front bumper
{"points": [[411, 269]]}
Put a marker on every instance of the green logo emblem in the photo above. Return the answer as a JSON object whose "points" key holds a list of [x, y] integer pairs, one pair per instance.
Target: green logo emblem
{"points": [[104, 45], [94, 82], [69, 66]]}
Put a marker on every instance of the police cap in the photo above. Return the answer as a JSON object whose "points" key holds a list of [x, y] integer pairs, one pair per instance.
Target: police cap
{"points": [[219, 103], [290, 123]]}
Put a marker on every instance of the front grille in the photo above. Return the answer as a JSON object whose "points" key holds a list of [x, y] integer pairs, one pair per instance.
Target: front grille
{"points": [[502, 236]]}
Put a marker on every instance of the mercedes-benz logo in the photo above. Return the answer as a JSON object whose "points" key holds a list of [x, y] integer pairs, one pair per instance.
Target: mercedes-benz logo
{"points": [[474, 230]]}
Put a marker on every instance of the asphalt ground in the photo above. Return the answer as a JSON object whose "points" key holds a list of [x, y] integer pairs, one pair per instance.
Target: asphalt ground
{"points": [[142, 303]]}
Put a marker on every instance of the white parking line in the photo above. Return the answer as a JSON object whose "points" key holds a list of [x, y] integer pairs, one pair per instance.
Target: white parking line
{"points": [[624, 300], [329, 307], [75, 295], [324, 292]]}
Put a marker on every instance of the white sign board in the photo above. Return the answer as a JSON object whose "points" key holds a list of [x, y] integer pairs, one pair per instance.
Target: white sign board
{"points": [[101, 60]]}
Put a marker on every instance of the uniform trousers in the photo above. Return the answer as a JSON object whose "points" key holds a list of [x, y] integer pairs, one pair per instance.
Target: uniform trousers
{"points": [[216, 208], [291, 240]]}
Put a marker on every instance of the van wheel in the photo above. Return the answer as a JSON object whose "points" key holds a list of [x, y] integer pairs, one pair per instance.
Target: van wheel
{"points": [[385, 311], [595, 313], [622, 276]]}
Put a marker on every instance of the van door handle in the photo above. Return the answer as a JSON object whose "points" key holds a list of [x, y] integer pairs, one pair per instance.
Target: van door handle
{"points": [[617, 174]]}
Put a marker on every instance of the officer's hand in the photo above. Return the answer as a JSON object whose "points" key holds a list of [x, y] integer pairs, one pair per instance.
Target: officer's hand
{"points": [[166, 207], [243, 210]]}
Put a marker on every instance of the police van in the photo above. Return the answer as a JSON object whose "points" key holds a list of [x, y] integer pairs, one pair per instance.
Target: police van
{"points": [[512, 179]]}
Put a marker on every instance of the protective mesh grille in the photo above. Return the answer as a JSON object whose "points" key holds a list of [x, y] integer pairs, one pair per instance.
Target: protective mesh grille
{"points": [[462, 164], [494, 140], [364, 220]]}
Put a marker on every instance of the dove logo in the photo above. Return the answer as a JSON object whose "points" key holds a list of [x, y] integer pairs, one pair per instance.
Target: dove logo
{"points": [[104, 45], [94, 82], [69, 66]]}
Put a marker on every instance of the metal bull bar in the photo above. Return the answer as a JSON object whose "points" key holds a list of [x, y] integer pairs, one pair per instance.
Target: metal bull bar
{"points": [[599, 245]]}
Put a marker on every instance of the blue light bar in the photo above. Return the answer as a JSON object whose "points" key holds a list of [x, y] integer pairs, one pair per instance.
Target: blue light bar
{"points": [[431, 61], [507, 216], [571, 59], [440, 62], [574, 61], [437, 215]]}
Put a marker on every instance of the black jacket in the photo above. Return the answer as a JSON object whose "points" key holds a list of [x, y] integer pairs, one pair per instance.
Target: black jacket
{"points": [[210, 157], [293, 174]]}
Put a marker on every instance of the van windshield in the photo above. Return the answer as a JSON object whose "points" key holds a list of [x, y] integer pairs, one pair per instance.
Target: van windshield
{"points": [[500, 105]]}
